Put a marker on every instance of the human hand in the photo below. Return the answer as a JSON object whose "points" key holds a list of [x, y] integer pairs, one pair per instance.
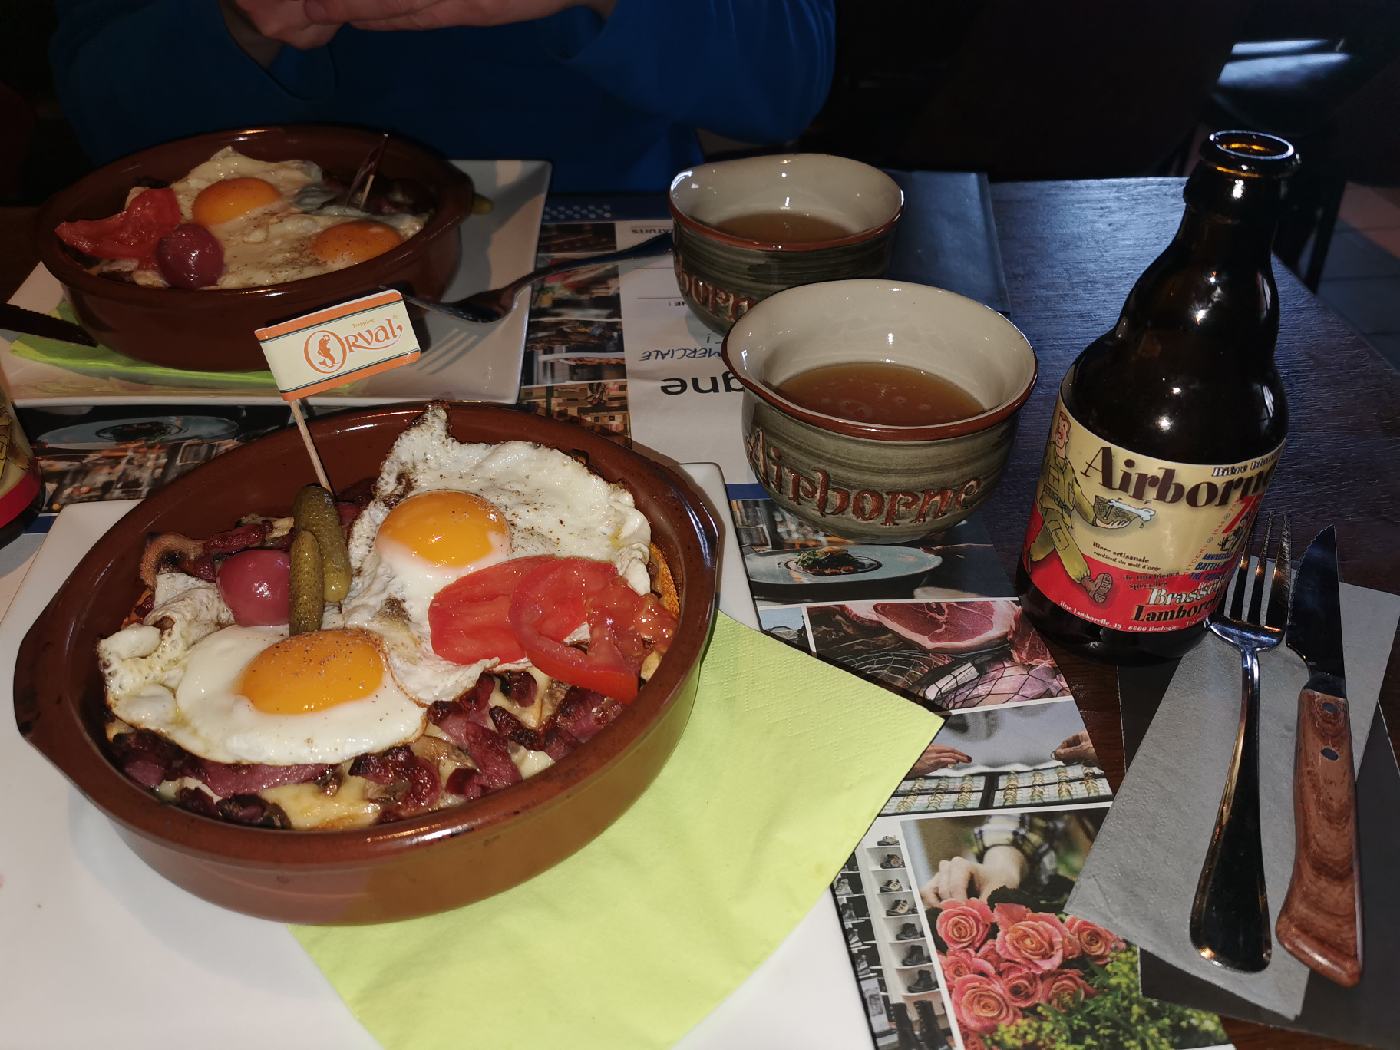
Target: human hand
{"points": [[1077, 747], [1002, 867], [936, 757], [436, 14], [280, 21]]}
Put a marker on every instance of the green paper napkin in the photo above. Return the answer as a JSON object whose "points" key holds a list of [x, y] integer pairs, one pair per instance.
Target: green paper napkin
{"points": [[103, 361], [631, 941]]}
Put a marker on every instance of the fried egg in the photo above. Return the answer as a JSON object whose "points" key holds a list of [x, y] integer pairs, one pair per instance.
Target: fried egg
{"points": [[252, 206], [443, 509], [251, 694]]}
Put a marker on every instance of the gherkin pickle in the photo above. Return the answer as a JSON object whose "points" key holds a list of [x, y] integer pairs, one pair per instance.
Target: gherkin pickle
{"points": [[314, 511], [306, 584]]}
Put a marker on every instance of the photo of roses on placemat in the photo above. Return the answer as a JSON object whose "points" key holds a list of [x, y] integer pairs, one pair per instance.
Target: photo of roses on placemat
{"points": [[1017, 972]]}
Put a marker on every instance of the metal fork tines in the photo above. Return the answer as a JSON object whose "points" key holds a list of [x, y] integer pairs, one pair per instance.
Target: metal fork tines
{"points": [[1230, 915]]}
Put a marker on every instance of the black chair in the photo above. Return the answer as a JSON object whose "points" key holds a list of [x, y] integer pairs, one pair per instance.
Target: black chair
{"points": [[1078, 89], [1331, 86]]}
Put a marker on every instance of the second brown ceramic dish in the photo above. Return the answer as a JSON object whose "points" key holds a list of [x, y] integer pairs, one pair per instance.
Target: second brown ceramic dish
{"points": [[390, 871], [212, 329]]}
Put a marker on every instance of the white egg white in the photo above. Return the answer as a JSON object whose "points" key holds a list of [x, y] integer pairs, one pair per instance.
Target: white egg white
{"points": [[270, 244], [177, 674], [552, 504]]}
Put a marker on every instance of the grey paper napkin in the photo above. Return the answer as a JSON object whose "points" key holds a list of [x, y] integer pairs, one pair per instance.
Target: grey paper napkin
{"points": [[1141, 875]]}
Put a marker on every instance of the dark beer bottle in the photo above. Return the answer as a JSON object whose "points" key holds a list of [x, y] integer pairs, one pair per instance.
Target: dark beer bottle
{"points": [[1167, 427]]}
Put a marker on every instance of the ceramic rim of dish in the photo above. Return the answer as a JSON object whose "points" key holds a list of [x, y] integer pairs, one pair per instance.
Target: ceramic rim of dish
{"points": [[886, 431], [705, 229], [64, 264]]}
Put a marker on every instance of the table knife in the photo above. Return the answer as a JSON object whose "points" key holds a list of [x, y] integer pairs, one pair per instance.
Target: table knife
{"points": [[31, 322], [1320, 922]]}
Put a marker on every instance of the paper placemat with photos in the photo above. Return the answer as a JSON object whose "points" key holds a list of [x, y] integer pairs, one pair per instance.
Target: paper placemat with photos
{"points": [[951, 902]]}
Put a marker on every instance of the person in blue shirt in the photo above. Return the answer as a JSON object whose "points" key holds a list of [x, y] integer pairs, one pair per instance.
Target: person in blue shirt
{"points": [[610, 91]]}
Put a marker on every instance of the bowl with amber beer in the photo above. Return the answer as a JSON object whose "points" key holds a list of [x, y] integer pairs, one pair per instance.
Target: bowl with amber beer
{"points": [[744, 229], [875, 410]]}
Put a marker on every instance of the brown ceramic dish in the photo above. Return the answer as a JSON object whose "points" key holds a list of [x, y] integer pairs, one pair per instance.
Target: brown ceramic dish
{"points": [[391, 871], [875, 482], [212, 329], [721, 275]]}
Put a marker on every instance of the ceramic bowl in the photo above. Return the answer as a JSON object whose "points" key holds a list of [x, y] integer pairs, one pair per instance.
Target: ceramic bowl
{"points": [[868, 481], [390, 871], [722, 275], [212, 329]]}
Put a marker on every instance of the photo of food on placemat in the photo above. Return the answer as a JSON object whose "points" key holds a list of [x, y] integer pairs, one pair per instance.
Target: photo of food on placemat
{"points": [[598, 406], [1032, 754], [789, 561], [947, 655], [577, 238], [127, 451], [590, 292], [573, 351]]}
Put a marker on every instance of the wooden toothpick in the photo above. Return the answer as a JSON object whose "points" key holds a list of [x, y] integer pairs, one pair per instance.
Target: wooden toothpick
{"points": [[310, 447]]}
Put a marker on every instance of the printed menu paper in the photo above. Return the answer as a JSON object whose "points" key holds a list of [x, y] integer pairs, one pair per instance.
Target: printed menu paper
{"points": [[683, 400]]}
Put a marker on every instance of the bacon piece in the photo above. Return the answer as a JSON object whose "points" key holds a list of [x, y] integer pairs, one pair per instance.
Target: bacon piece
{"points": [[519, 687], [252, 810], [148, 758], [554, 740], [412, 785], [348, 513], [582, 713], [360, 494], [231, 541], [558, 741], [225, 779], [492, 757], [197, 801], [466, 782]]}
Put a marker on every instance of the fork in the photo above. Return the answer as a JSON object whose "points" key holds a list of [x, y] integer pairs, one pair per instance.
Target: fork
{"points": [[1230, 914], [490, 306]]}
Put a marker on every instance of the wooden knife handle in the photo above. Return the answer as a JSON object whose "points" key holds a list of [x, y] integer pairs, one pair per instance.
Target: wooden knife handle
{"points": [[1321, 918]]}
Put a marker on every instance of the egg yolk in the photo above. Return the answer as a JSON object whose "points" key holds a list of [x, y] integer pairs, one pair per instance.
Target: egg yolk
{"points": [[313, 671], [448, 528], [229, 199], [355, 241]]}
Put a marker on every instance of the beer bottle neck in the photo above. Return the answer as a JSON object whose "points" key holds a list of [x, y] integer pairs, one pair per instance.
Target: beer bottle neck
{"points": [[1229, 218], [1215, 281]]}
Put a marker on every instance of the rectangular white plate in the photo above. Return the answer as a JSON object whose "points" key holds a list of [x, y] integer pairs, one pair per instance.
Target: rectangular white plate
{"points": [[112, 954], [461, 362]]}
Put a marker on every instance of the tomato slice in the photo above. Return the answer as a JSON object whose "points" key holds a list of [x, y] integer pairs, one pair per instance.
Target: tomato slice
{"points": [[130, 234], [469, 619], [526, 608], [622, 625]]}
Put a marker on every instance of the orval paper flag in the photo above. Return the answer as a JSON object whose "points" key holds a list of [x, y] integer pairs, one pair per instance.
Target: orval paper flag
{"points": [[339, 344]]}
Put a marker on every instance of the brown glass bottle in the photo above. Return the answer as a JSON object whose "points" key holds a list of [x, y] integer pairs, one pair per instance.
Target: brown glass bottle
{"points": [[1181, 396]]}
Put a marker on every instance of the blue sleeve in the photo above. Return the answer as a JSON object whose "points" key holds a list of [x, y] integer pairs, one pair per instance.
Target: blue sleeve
{"points": [[131, 73], [756, 70]]}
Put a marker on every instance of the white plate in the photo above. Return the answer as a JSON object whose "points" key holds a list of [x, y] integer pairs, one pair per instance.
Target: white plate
{"points": [[460, 362], [148, 959], [780, 568]]}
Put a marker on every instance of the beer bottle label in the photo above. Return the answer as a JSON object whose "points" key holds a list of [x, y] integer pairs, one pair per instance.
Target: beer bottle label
{"points": [[1135, 543], [19, 480]]}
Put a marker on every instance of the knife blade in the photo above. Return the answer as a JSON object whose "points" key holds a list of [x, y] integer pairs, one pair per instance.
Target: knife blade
{"points": [[1320, 922], [31, 322]]}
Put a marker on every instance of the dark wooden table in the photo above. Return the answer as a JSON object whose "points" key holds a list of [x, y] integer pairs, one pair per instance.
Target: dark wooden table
{"points": [[1071, 251]]}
